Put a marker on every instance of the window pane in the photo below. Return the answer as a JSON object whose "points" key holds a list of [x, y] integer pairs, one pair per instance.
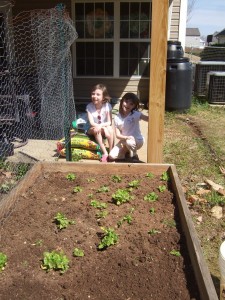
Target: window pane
{"points": [[81, 67], [80, 28], [80, 50], [109, 50], [99, 50], [135, 20], [134, 11], [90, 50], [123, 67], [124, 11], [79, 13], [90, 67], [124, 29], [144, 68], [144, 29], [94, 58], [145, 11], [99, 67], [108, 67], [124, 50], [134, 59]]}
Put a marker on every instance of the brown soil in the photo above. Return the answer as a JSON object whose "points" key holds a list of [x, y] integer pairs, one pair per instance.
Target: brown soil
{"points": [[138, 266]]}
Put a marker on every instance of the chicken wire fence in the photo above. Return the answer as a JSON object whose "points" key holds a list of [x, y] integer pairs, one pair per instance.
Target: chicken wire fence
{"points": [[36, 84]]}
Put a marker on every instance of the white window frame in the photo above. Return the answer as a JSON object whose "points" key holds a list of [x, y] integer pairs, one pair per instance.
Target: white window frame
{"points": [[116, 39]]}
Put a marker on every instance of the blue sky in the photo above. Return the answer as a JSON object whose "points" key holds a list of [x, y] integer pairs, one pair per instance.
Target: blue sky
{"points": [[208, 16]]}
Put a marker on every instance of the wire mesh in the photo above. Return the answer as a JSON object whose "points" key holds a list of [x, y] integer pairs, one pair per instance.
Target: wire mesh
{"points": [[36, 84]]}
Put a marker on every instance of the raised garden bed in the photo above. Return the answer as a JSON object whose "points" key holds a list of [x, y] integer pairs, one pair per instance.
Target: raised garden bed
{"points": [[157, 254]]}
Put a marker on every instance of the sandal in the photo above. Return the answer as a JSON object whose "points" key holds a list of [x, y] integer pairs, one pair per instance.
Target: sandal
{"points": [[104, 158]]}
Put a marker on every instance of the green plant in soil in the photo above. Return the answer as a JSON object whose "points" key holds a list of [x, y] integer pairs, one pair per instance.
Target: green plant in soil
{"points": [[77, 189], [71, 176], [103, 189], [164, 176], [162, 188], [55, 260], [214, 198], [102, 214], [116, 178], [153, 231], [134, 184], [5, 188], [127, 218], [169, 222], [21, 170], [62, 222], [149, 175], [98, 204], [152, 210], [90, 196], [175, 252], [77, 252], [151, 197], [121, 196], [110, 238], [3, 261]]}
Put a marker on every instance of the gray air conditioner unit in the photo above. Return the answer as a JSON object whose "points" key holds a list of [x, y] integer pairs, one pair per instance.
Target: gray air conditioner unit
{"points": [[216, 87], [201, 70]]}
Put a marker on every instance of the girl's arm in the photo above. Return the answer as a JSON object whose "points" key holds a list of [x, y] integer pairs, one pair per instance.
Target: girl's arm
{"points": [[108, 116], [91, 120], [120, 136], [144, 117]]}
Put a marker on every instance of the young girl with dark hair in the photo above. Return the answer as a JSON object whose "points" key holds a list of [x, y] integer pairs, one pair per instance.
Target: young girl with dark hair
{"points": [[127, 128]]}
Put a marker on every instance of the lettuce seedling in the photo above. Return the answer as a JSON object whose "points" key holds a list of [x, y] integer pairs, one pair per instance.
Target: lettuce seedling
{"points": [[121, 196], [98, 204], [62, 222], [110, 238], [103, 189], [116, 178], [134, 184], [175, 252], [149, 175], [71, 176], [78, 252], [77, 189], [151, 197], [165, 176], [55, 261], [3, 261], [153, 231], [162, 188]]}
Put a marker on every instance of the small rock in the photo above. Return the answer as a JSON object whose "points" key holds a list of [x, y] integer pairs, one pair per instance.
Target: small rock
{"points": [[199, 219], [217, 212]]}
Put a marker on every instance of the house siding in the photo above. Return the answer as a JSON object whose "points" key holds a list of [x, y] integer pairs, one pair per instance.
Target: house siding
{"points": [[175, 21], [117, 87]]}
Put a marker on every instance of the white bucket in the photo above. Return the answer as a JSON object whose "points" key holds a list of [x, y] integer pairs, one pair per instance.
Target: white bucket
{"points": [[222, 270]]}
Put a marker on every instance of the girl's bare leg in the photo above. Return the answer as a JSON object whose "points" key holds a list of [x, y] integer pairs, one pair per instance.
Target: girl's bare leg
{"points": [[108, 131]]}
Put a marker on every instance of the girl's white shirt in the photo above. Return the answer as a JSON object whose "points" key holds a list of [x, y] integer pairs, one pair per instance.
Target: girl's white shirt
{"points": [[106, 109], [129, 125]]}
